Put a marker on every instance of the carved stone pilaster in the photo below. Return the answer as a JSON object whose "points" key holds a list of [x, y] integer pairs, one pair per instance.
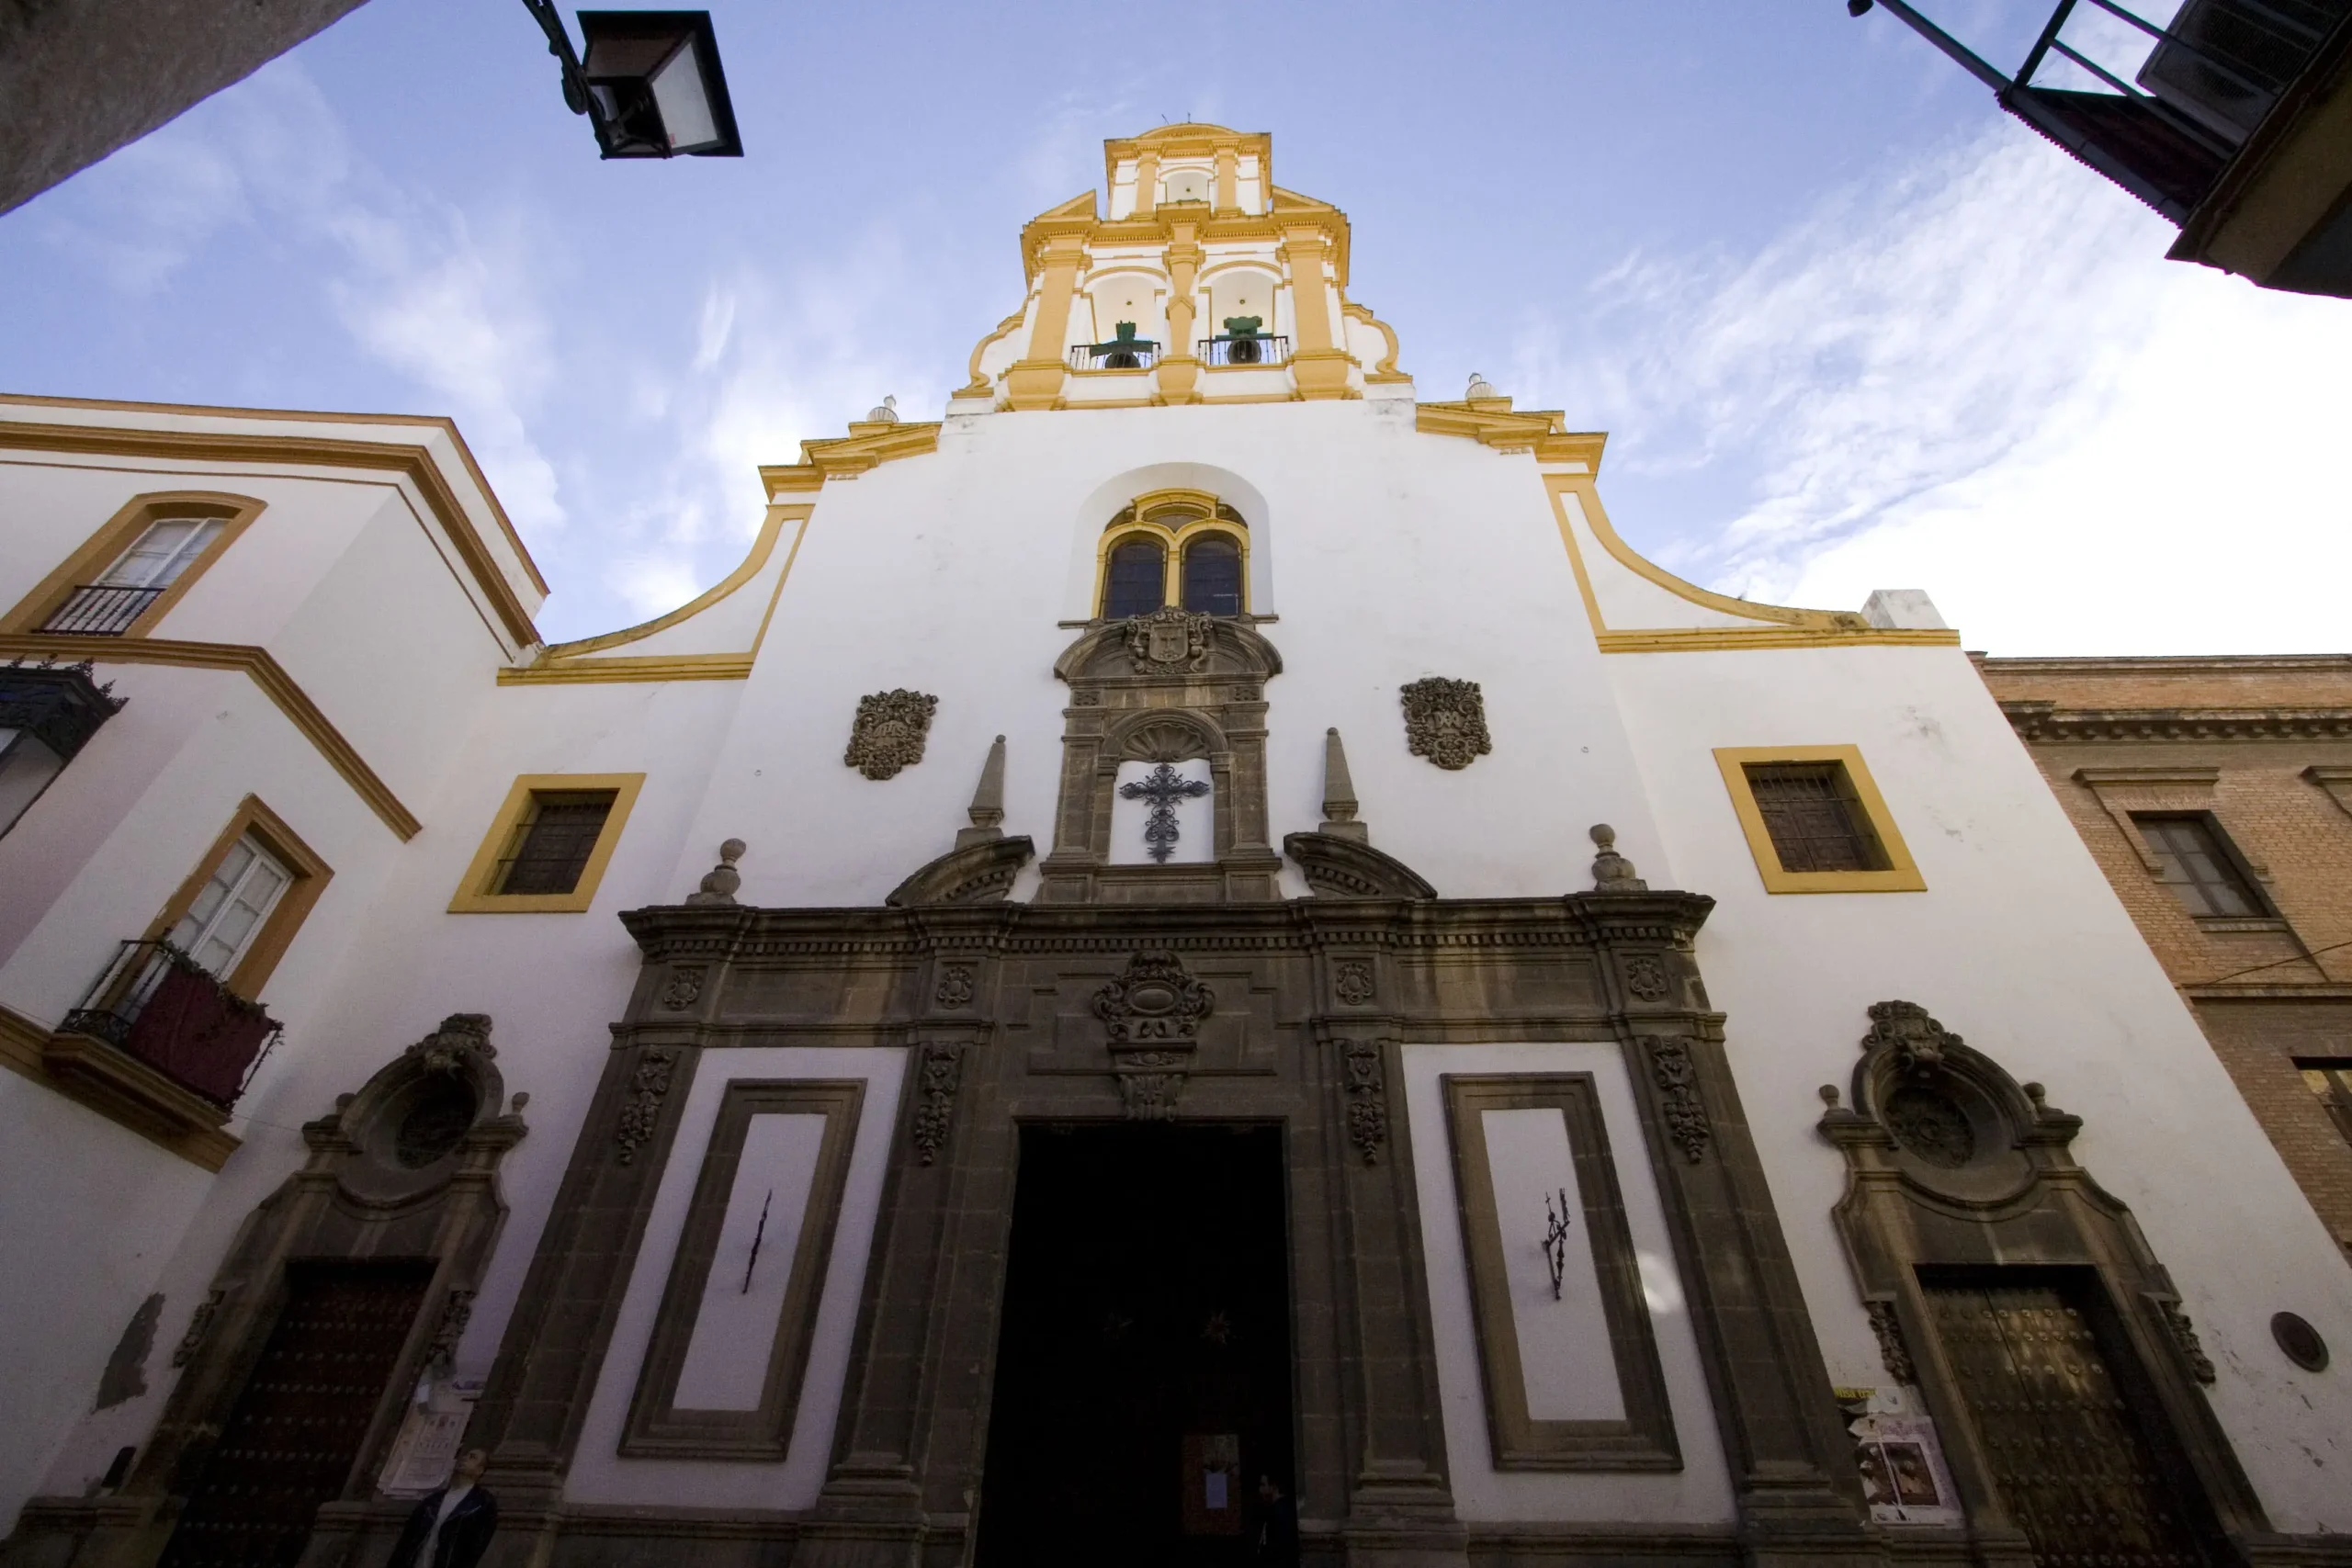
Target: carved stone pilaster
{"points": [[649, 1085], [943, 1072], [1893, 1353], [1678, 1091], [1367, 1098]]}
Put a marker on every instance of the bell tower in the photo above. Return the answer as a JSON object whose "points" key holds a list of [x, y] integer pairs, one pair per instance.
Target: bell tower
{"points": [[1201, 281]]}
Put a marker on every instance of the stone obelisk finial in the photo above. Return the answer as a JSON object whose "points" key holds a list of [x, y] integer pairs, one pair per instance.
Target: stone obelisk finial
{"points": [[1613, 873], [988, 802], [1339, 794], [719, 883]]}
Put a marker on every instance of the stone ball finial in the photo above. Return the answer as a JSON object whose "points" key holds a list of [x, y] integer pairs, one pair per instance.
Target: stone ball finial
{"points": [[887, 413], [1613, 873], [719, 883], [1480, 388]]}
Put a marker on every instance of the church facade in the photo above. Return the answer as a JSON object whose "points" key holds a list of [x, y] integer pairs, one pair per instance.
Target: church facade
{"points": [[1198, 930]]}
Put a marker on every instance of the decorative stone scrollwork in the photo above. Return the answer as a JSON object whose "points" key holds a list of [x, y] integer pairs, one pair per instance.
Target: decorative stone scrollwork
{"points": [[1152, 1014], [1914, 1040], [1445, 720], [649, 1085], [1367, 1098], [889, 733], [1677, 1086], [1893, 1352], [1928, 1123], [1352, 983], [1169, 641], [685, 988], [943, 1073], [2184, 1333], [1645, 977], [955, 988]]}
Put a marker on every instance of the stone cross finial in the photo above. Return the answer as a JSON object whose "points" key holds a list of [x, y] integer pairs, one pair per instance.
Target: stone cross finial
{"points": [[1613, 873], [988, 802], [718, 884], [1339, 794]]}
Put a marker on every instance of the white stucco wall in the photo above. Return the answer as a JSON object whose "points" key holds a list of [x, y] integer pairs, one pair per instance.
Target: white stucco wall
{"points": [[600, 1475]]}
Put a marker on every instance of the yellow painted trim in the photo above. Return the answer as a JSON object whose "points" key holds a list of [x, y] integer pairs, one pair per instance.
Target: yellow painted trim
{"points": [[569, 671], [265, 672], [311, 875], [1902, 875], [1490, 422], [1718, 640], [868, 444], [122, 531], [413, 463], [979, 384], [762, 547], [1385, 370], [471, 900], [1782, 626], [1170, 541]]}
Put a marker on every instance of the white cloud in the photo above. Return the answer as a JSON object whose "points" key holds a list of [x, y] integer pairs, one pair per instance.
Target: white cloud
{"points": [[1982, 378]]}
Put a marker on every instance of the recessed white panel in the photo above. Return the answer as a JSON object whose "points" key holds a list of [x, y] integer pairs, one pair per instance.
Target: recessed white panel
{"points": [[1565, 1355], [727, 1359], [1194, 815]]}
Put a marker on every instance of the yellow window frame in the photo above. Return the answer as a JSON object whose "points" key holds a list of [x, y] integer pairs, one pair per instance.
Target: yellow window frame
{"points": [[1901, 873], [474, 897]]}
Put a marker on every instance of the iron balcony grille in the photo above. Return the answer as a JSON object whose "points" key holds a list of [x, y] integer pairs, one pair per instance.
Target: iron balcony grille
{"points": [[100, 609], [1261, 348], [156, 1003], [1139, 354]]}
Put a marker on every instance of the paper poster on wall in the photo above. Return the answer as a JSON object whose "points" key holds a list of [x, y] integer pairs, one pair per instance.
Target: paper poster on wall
{"points": [[425, 1449], [1904, 1478]]}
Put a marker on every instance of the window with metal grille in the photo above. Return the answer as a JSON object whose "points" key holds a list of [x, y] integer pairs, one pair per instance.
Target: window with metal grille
{"points": [[2330, 1077], [1213, 576], [2197, 865], [1815, 822], [1136, 581], [552, 843]]}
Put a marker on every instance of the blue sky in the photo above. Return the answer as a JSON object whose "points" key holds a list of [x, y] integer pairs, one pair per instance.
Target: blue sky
{"points": [[1848, 326]]}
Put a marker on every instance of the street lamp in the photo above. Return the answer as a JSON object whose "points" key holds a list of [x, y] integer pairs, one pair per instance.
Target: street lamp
{"points": [[651, 83]]}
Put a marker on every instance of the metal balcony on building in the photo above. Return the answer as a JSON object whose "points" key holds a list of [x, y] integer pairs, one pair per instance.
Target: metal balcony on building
{"points": [[1253, 348], [2219, 118], [159, 1005], [1136, 353], [101, 609]]}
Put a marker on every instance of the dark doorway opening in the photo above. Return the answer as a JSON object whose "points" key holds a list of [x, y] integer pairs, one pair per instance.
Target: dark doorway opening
{"points": [[2075, 1440], [296, 1430], [1143, 1381]]}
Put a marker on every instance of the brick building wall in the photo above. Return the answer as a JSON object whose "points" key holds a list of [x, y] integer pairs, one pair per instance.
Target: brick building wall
{"points": [[2260, 751]]}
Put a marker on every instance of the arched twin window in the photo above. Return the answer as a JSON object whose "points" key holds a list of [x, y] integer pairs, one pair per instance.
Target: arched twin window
{"points": [[1180, 547]]}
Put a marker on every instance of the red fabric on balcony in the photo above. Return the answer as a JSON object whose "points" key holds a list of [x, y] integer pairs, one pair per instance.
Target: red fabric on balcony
{"points": [[194, 1029]]}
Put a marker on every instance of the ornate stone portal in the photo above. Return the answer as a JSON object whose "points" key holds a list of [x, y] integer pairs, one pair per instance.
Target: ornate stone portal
{"points": [[1243, 1012]]}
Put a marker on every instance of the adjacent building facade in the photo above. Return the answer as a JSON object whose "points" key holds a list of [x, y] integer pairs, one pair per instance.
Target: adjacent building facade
{"points": [[1200, 920], [2216, 793]]}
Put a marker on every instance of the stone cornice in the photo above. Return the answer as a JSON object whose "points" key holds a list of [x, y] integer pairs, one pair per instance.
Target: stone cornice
{"points": [[2042, 721], [673, 932], [2186, 664]]}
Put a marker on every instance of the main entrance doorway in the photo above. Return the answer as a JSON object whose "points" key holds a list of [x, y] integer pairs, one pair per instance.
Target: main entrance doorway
{"points": [[290, 1441], [1142, 1377], [2076, 1448]]}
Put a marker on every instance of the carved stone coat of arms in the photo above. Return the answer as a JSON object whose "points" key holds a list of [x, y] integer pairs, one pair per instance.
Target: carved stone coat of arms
{"points": [[889, 732], [1169, 642], [1445, 721]]}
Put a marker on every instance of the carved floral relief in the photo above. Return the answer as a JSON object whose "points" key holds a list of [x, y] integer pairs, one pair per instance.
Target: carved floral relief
{"points": [[889, 733], [1445, 721]]}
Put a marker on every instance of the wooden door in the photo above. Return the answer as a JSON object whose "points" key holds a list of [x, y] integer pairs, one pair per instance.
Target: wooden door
{"points": [[296, 1429], [2065, 1434]]}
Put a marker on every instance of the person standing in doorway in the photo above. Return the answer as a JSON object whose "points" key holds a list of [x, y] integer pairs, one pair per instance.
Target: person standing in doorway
{"points": [[1277, 1526], [452, 1527]]}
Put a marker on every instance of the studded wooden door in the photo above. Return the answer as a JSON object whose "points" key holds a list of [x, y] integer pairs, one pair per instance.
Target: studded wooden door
{"points": [[290, 1441], [2078, 1466]]}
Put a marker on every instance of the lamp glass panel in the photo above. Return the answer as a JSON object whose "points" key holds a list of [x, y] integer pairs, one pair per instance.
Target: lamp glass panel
{"points": [[684, 100]]}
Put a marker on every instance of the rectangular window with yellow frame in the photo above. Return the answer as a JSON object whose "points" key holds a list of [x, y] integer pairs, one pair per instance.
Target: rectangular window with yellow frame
{"points": [[548, 848], [1815, 820]]}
